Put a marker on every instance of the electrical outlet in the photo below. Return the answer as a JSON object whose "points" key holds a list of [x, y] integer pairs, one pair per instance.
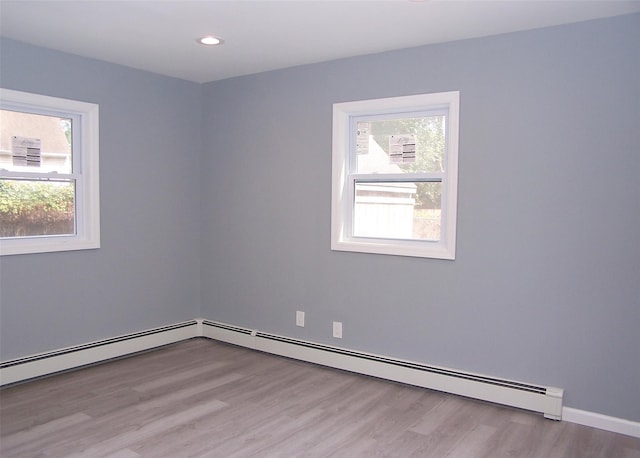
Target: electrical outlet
{"points": [[337, 329], [300, 318]]}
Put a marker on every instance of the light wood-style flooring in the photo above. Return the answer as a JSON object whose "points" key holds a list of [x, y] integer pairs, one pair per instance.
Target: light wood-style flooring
{"points": [[202, 398]]}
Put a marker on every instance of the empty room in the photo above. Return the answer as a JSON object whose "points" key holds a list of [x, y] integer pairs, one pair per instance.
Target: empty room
{"points": [[319, 228]]}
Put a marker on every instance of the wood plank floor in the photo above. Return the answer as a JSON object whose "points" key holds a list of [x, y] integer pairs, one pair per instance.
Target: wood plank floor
{"points": [[202, 398]]}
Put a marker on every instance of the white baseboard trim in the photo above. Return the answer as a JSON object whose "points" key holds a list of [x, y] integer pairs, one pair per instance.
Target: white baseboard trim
{"points": [[21, 369], [596, 420]]}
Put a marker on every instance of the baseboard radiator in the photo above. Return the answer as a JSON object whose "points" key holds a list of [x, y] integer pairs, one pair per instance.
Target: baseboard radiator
{"points": [[544, 399], [547, 400], [47, 363]]}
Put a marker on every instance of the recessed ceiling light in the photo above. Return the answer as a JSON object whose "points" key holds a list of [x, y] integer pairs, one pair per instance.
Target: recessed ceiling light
{"points": [[209, 40]]}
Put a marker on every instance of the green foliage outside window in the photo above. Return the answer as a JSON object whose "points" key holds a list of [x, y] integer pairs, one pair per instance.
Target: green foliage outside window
{"points": [[430, 151], [36, 208]]}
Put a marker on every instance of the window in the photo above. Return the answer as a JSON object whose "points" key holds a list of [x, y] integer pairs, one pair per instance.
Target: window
{"points": [[48, 174], [395, 168]]}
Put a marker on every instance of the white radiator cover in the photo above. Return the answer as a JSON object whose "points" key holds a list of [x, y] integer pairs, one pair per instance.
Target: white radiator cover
{"points": [[544, 399], [63, 359], [547, 400]]}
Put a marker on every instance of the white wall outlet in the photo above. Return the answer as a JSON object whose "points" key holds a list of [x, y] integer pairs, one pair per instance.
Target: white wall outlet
{"points": [[300, 318], [337, 329]]}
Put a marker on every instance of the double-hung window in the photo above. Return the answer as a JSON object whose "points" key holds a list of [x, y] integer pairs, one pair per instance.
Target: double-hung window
{"points": [[48, 174], [395, 168]]}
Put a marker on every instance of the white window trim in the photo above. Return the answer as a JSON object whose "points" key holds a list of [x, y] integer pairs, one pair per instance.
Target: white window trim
{"points": [[341, 196], [86, 168]]}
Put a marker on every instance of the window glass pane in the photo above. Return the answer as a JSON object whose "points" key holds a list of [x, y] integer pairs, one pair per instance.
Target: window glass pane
{"points": [[32, 208], [398, 210], [401, 145], [34, 143]]}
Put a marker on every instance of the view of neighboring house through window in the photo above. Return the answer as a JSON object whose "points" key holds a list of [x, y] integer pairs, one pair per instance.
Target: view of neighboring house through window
{"points": [[395, 175], [48, 174], [41, 205]]}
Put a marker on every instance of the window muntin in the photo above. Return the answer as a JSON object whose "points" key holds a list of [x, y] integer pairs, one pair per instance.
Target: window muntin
{"points": [[48, 174], [395, 175]]}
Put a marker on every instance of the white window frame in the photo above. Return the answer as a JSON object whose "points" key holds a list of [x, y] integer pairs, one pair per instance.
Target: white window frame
{"points": [[344, 173], [85, 172]]}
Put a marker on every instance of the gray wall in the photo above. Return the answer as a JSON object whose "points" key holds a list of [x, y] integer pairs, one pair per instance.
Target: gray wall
{"points": [[546, 284], [147, 272]]}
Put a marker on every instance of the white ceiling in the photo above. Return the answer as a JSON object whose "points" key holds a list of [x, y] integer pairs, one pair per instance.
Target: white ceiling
{"points": [[260, 35]]}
